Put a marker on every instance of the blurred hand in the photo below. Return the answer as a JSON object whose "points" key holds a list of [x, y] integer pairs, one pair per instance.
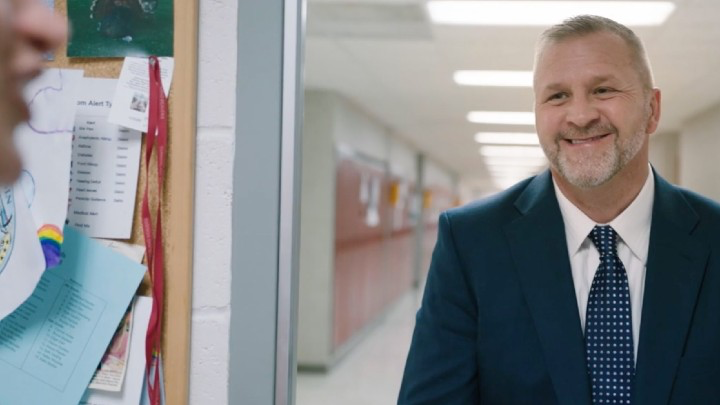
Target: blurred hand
{"points": [[28, 30], [38, 30]]}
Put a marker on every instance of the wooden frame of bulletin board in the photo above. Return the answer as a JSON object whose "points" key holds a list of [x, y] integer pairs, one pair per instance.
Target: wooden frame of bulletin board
{"points": [[179, 190]]}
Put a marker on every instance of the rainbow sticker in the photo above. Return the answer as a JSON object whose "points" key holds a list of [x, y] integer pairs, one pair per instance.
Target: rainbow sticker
{"points": [[51, 238]]}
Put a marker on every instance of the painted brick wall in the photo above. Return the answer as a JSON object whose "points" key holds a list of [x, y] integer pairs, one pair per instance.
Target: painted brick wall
{"points": [[213, 198]]}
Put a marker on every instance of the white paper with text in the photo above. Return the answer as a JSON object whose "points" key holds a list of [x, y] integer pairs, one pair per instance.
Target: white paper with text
{"points": [[106, 159]]}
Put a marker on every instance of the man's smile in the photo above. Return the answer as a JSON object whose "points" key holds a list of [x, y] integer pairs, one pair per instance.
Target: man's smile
{"points": [[587, 141]]}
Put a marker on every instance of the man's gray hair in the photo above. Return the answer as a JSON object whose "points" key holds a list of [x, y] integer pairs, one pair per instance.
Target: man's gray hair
{"points": [[583, 25]]}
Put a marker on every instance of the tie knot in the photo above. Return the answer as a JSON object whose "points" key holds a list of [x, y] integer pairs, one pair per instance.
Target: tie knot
{"points": [[605, 239]]}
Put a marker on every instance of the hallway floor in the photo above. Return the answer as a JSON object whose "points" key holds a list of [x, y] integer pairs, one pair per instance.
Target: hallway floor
{"points": [[371, 373]]}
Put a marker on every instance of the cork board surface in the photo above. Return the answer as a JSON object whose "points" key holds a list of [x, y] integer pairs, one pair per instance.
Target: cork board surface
{"points": [[177, 209]]}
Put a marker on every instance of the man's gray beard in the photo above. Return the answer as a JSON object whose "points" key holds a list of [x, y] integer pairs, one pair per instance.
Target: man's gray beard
{"points": [[597, 170]]}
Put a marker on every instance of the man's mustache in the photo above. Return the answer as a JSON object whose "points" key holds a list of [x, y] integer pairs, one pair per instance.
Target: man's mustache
{"points": [[586, 132]]}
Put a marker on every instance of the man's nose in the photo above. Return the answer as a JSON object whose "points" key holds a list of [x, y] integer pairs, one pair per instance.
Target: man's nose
{"points": [[581, 112]]}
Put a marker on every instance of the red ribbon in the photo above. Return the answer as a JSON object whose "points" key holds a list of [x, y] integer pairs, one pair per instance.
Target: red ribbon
{"points": [[156, 137]]}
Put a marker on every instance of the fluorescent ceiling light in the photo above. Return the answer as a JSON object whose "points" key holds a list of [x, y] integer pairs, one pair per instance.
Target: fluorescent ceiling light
{"points": [[497, 78], [512, 151], [502, 117], [545, 13], [507, 138]]}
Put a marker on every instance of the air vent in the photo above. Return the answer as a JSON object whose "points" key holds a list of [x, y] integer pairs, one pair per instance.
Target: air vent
{"points": [[368, 20]]}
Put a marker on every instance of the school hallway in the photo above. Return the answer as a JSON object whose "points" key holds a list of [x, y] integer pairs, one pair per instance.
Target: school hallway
{"points": [[372, 372]]}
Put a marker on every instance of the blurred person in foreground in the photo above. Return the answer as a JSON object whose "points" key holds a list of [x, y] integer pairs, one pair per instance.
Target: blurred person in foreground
{"points": [[595, 281], [28, 29]]}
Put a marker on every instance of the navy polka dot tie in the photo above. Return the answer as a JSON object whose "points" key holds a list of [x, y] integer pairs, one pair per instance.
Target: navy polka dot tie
{"points": [[608, 327]]}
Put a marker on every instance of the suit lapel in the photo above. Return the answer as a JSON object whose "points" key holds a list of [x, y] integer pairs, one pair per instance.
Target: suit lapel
{"points": [[539, 248], [675, 268]]}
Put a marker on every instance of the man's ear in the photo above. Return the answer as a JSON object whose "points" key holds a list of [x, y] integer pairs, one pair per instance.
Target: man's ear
{"points": [[654, 117]]}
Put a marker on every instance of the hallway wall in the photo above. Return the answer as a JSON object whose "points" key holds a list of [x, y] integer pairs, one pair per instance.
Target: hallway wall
{"points": [[664, 155], [699, 148], [350, 272], [316, 229]]}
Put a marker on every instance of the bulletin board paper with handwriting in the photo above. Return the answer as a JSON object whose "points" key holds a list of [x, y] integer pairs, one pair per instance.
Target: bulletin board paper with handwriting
{"points": [[21, 258], [105, 164], [45, 144], [51, 345]]}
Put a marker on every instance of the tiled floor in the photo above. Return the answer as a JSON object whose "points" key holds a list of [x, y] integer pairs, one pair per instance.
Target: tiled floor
{"points": [[372, 371]]}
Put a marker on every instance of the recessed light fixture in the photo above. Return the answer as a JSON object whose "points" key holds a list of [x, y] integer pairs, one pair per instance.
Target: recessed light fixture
{"points": [[512, 151], [494, 78], [502, 117], [635, 13], [507, 138]]}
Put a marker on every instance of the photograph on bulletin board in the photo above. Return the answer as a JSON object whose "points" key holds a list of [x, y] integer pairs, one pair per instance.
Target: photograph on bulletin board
{"points": [[119, 28]]}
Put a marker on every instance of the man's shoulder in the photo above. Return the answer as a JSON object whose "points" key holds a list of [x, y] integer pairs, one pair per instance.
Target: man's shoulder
{"points": [[499, 207], [706, 208], [683, 206], [481, 224]]}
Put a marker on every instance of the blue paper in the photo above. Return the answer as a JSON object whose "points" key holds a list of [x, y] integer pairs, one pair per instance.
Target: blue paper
{"points": [[52, 344]]}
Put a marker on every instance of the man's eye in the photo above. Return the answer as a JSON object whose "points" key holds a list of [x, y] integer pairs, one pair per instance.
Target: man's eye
{"points": [[557, 97], [604, 90]]}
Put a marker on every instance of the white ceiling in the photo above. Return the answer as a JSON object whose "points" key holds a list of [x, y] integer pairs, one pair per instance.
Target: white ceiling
{"points": [[387, 58]]}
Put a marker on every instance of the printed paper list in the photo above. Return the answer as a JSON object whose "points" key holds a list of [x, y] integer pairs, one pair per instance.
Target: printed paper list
{"points": [[66, 330], [104, 170]]}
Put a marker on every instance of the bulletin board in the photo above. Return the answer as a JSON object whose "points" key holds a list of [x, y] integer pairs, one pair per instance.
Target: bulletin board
{"points": [[178, 190]]}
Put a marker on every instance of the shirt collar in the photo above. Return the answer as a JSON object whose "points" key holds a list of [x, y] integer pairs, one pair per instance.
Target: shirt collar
{"points": [[632, 225]]}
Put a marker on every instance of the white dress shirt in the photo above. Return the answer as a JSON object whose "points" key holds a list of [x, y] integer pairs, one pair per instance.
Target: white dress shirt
{"points": [[633, 229]]}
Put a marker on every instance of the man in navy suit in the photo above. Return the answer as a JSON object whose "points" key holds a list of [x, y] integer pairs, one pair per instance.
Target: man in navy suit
{"points": [[594, 282]]}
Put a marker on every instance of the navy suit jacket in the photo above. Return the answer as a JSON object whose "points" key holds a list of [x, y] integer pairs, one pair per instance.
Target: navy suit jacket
{"points": [[499, 320]]}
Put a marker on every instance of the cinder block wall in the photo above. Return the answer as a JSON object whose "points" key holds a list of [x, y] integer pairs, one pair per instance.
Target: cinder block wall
{"points": [[213, 198]]}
